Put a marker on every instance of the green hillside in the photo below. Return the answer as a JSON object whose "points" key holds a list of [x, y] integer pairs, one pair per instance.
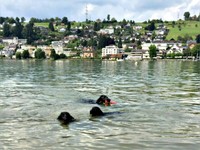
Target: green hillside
{"points": [[180, 28], [192, 28]]}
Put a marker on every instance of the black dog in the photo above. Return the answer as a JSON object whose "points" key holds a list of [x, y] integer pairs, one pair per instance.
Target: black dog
{"points": [[103, 99], [96, 111], [65, 118]]}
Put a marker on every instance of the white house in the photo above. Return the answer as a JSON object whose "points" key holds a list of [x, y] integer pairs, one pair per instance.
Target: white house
{"points": [[175, 49], [159, 46], [109, 30], [109, 50], [62, 30], [137, 27]]}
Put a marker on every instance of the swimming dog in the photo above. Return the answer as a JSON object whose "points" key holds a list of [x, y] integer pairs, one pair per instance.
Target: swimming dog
{"points": [[65, 118], [96, 111], [103, 99]]}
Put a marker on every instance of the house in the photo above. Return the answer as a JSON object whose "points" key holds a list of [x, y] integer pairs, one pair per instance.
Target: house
{"points": [[109, 30], [14, 40], [146, 54], [159, 46], [175, 49], [129, 46], [138, 55], [88, 52], [9, 51], [137, 27], [191, 43], [135, 55], [68, 52], [62, 30], [109, 50]]}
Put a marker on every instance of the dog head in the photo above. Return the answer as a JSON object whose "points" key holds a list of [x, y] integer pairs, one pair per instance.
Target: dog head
{"points": [[96, 111], [65, 118], [103, 99]]}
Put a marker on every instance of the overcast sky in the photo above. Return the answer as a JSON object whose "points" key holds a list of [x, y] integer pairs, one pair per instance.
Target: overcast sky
{"points": [[75, 10]]}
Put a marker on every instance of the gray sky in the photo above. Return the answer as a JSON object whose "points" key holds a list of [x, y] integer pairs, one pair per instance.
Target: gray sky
{"points": [[75, 10]]}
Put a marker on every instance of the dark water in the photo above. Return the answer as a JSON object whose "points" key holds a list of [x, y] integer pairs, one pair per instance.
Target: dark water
{"points": [[159, 103]]}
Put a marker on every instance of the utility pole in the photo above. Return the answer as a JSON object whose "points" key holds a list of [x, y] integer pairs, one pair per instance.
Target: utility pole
{"points": [[86, 13]]}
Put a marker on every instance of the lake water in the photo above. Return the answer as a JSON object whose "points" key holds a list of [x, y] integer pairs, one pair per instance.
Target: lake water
{"points": [[158, 101]]}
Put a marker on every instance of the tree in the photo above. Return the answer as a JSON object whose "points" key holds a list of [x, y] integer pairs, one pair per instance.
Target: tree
{"points": [[187, 15], [23, 19], [53, 55], [92, 42], [152, 51], [2, 20], [57, 19], [113, 20], [11, 20], [79, 32], [120, 43], [69, 26], [198, 38], [51, 27], [124, 22], [105, 41], [65, 20], [25, 54], [151, 27], [17, 30], [29, 33], [108, 17], [196, 50], [96, 26], [139, 43], [39, 54], [6, 30]]}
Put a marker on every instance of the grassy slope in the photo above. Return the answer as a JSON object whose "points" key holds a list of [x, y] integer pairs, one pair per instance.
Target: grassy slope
{"points": [[44, 24], [188, 28]]}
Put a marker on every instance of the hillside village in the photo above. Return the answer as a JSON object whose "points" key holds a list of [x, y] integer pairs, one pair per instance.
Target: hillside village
{"points": [[102, 39]]}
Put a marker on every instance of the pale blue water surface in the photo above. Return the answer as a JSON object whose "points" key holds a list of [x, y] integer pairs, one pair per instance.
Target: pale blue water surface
{"points": [[159, 103]]}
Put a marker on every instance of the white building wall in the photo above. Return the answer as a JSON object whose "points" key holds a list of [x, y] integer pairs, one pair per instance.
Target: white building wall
{"points": [[110, 50]]}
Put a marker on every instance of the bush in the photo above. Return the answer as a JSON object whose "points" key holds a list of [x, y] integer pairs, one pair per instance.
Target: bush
{"points": [[63, 56], [25, 54], [18, 55], [39, 54]]}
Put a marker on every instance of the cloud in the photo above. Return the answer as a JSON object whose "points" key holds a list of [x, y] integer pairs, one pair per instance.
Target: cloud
{"points": [[99, 9]]}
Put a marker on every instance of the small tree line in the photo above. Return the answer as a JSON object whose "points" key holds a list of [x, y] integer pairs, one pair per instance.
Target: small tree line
{"points": [[39, 54]]}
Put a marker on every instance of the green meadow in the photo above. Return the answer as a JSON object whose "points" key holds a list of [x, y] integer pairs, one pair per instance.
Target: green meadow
{"points": [[191, 28], [43, 24]]}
